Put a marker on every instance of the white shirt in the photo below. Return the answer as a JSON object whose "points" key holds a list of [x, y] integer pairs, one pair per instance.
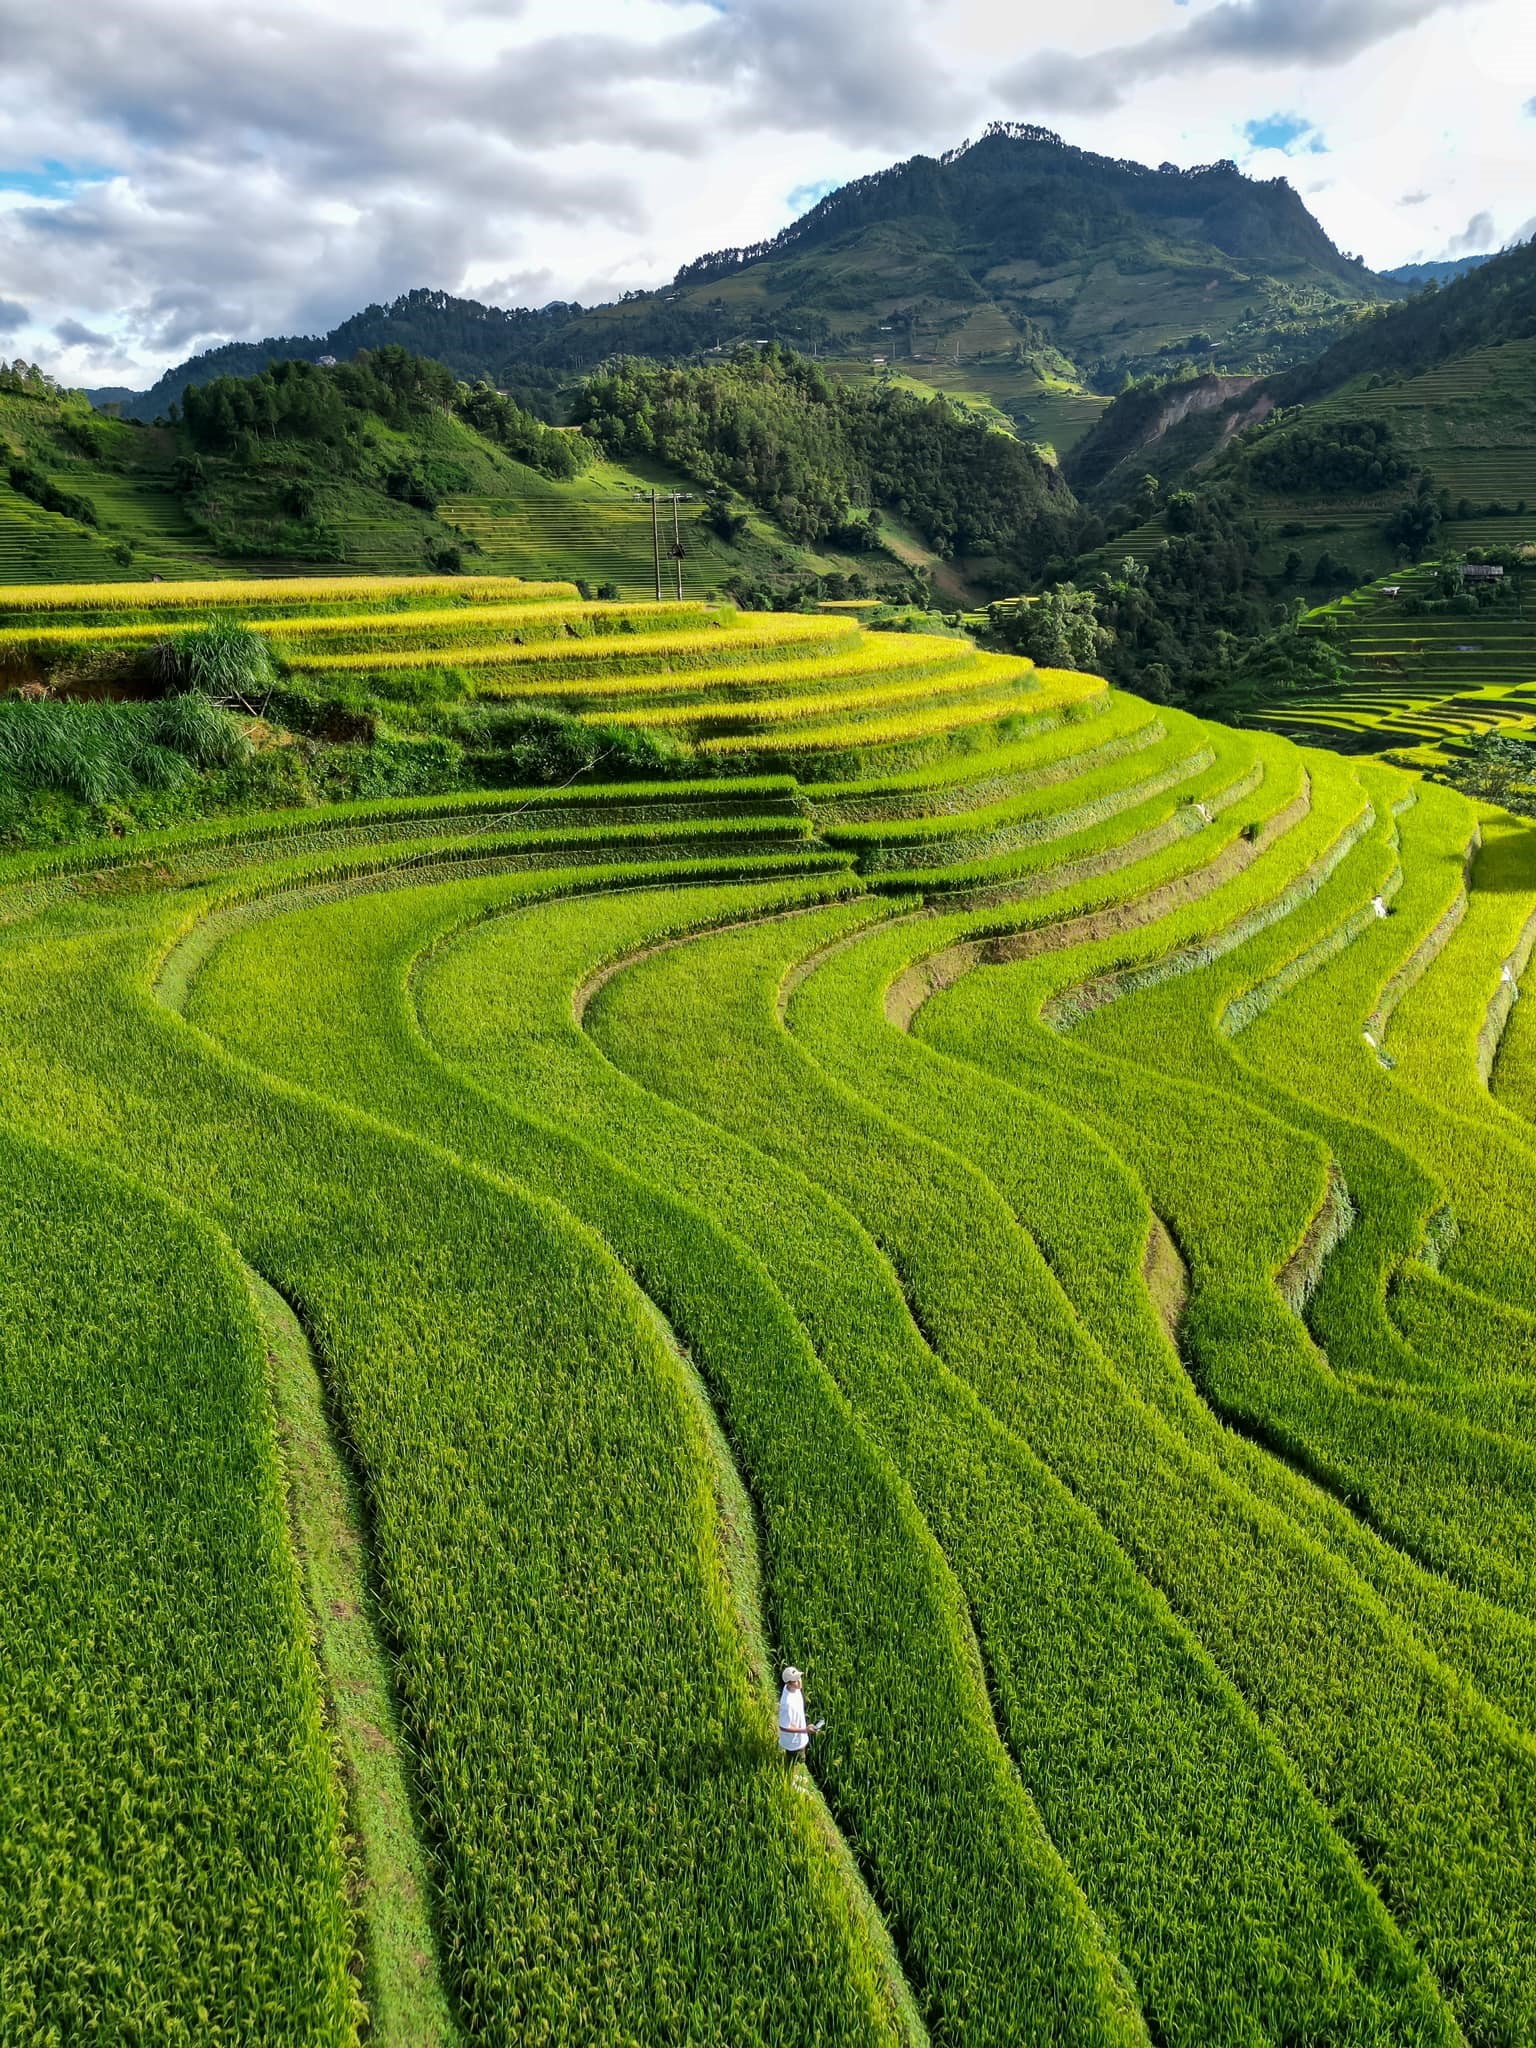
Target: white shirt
{"points": [[792, 1724]]}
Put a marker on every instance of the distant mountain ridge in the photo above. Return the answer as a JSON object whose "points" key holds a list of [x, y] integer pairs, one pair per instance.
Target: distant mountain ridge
{"points": [[473, 339], [1417, 275], [1016, 248]]}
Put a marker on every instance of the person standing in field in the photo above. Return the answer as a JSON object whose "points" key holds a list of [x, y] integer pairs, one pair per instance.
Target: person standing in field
{"points": [[795, 1731]]}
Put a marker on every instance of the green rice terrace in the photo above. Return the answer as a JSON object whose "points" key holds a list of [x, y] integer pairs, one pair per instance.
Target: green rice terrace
{"points": [[1423, 672], [1017, 1201]]}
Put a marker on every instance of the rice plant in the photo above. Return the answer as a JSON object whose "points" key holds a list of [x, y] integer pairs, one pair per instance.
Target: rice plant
{"points": [[1024, 1211]]}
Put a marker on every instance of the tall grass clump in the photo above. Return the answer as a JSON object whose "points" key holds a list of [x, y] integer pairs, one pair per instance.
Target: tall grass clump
{"points": [[100, 753], [221, 660]]}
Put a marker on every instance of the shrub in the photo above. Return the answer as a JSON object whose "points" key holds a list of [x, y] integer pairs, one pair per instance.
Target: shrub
{"points": [[537, 745], [410, 487], [31, 483]]}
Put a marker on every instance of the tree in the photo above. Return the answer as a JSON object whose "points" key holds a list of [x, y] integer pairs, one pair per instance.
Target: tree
{"points": [[1183, 512], [1062, 629], [1412, 528], [1497, 768], [1297, 656]]}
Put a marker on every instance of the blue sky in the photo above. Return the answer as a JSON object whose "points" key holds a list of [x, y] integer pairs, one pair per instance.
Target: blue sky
{"points": [[183, 175], [51, 179], [1291, 134], [801, 198]]}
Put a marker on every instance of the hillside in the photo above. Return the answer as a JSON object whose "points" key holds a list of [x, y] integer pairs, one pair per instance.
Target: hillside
{"points": [[1495, 302], [1468, 425], [1040, 273], [830, 458], [1491, 305], [294, 478], [367, 686], [1016, 1200], [1411, 442]]}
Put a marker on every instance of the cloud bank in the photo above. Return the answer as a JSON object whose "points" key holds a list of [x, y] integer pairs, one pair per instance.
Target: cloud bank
{"points": [[183, 175]]}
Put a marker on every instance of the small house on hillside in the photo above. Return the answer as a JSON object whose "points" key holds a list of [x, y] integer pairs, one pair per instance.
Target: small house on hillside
{"points": [[1480, 572]]}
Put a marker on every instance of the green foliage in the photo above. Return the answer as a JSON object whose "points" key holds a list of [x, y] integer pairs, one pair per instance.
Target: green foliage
{"points": [[1342, 455], [1061, 629], [1293, 659], [410, 487], [26, 380], [295, 400], [1182, 615], [512, 745], [519, 433], [32, 483], [1495, 768], [1413, 526], [1494, 303]]}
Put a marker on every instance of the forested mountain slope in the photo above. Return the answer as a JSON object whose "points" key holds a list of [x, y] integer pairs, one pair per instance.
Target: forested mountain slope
{"points": [[1491, 305], [1016, 249]]}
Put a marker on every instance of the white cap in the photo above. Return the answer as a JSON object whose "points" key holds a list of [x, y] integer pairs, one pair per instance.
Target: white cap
{"points": [[791, 1675]]}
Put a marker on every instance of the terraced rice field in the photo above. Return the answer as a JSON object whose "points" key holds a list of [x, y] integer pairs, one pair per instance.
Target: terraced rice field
{"points": [[992, 1212], [1424, 682], [745, 688]]}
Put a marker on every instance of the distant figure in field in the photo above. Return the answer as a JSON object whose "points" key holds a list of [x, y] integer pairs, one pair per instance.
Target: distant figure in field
{"points": [[795, 1731]]}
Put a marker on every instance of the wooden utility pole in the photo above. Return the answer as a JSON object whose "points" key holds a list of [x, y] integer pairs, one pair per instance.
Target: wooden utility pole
{"points": [[677, 546], [656, 539]]}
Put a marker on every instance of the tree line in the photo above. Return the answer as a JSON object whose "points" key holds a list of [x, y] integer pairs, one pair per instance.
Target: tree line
{"points": [[303, 401]]}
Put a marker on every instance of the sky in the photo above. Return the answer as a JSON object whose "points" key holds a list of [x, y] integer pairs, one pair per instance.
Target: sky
{"points": [[174, 174]]}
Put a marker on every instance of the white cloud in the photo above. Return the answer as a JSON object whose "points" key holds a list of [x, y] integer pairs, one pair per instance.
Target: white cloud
{"points": [[191, 174], [1475, 238]]}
